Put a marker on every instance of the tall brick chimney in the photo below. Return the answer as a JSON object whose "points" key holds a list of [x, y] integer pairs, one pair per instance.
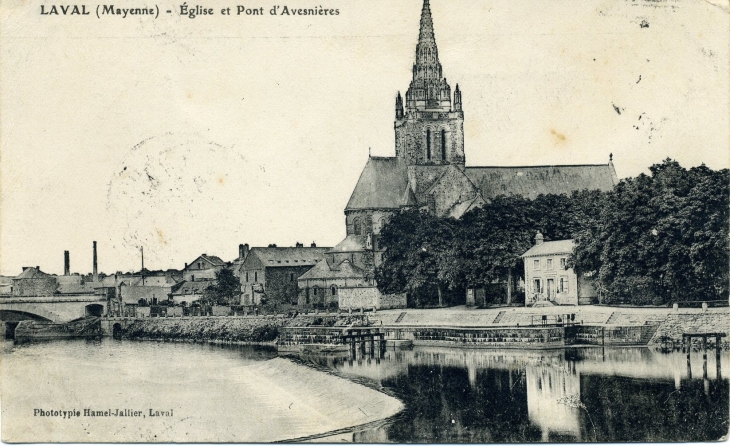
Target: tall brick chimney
{"points": [[66, 264], [96, 272]]}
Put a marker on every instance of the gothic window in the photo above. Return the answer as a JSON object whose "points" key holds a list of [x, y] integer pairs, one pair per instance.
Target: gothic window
{"points": [[255, 276], [428, 144], [443, 144], [246, 277], [333, 290], [356, 227], [315, 290]]}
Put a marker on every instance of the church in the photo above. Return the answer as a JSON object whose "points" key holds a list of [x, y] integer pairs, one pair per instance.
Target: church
{"points": [[429, 171]]}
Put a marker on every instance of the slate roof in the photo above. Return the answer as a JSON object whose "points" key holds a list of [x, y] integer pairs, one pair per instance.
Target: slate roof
{"points": [[345, 270], [192, 287], [389, 183], [531, 181], [288, 256], [382, 184], [33, 273], [214, 260], [548, 248]]}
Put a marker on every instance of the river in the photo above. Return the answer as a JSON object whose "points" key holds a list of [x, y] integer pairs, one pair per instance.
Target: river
{"points": [[222, 393]]}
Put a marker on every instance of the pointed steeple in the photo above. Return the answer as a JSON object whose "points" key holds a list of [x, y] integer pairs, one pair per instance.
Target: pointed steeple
{"points": [[427, 64]]}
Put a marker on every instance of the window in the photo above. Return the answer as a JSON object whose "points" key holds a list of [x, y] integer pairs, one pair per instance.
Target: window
{"points": [[246, 276], [356, 227], [564, 284], [199, 265], [443, 145], [333, 290], [536, 286], [549, 263], [315, 290], [536, 264], [291, 277], [562, 262], [428, 144], [255, 276]]}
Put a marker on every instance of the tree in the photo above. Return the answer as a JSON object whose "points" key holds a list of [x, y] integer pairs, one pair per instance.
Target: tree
{"points": [[416, 245], [225, 291], [661, 237]]}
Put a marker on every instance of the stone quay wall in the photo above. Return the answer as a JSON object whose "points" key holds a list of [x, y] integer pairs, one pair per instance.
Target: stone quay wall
{"points": [[674, 325]]}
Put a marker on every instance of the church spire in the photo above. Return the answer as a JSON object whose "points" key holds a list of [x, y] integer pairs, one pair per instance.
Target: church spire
{"points": [[427, 64]]}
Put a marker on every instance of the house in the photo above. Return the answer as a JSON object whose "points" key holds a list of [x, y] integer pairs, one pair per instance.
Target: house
{"points": [[204, 267], [152, 289], [549, 280], [345, 278], [271, 273], [321, 286], [189, 291], [34, 282]]}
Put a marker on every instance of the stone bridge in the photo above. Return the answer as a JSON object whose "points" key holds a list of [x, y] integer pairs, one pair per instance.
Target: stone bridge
{"points": [[51, 308]]}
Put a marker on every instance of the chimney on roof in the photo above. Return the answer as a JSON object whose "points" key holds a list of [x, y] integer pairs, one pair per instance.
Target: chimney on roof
{"points": [[538, 238], [313, 245], [272, 245], [242, 251], [96, 272], [38, 267], [66, 264], [299, 245]]}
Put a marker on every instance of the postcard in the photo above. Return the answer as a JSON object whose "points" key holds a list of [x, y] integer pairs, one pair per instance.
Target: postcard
{"points": [[423, 221]]}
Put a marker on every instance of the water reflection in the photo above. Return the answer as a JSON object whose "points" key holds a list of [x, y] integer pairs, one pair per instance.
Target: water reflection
{"points": [[582, 394]]}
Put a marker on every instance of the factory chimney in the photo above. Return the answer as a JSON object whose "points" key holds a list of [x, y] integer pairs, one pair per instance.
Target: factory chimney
{"points": [[66, 264], [96, 272]]}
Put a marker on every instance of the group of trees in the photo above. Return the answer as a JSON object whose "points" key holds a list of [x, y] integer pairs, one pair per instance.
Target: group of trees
{"points": [[661, 238], [652, 239]]}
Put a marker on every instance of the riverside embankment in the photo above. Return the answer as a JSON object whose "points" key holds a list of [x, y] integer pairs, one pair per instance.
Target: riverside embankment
{"points": [[597, 324]]}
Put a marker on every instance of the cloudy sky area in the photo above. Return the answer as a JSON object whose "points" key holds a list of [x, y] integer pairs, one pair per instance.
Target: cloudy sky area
{"points": [[190, 136]]}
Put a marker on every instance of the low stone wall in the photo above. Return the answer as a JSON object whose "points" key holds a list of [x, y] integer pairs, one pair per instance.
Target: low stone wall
{"points": [[227, 329], [496, 337], [369, 297], [674, 325]]}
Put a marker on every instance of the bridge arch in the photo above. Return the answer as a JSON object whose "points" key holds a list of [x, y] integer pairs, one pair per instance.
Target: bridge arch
{"points": [[18, 316], [94, 310]]}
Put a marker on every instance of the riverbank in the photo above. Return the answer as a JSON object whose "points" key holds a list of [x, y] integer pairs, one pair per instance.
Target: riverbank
{"points": [[651, 325]]}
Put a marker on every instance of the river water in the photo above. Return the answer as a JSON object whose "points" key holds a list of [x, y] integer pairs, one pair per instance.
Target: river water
{"points": [[449, 394]]}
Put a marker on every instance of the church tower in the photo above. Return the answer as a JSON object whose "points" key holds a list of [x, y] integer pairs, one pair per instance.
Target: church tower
{"points": [[428, 131]]}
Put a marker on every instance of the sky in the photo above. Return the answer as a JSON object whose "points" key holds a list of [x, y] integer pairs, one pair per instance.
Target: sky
{"points": [[188, 136]]}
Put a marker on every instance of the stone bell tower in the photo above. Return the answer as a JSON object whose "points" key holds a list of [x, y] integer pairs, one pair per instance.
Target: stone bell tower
{"points": [[428, 130]]}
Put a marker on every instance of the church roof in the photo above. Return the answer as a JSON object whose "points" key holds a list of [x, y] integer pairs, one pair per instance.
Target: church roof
{"points": [[531, 181], [548, 248], [382, 184], [345, 270]]}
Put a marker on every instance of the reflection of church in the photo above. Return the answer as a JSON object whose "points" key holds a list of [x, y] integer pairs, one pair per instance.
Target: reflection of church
{"points": [[428, 172]]}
